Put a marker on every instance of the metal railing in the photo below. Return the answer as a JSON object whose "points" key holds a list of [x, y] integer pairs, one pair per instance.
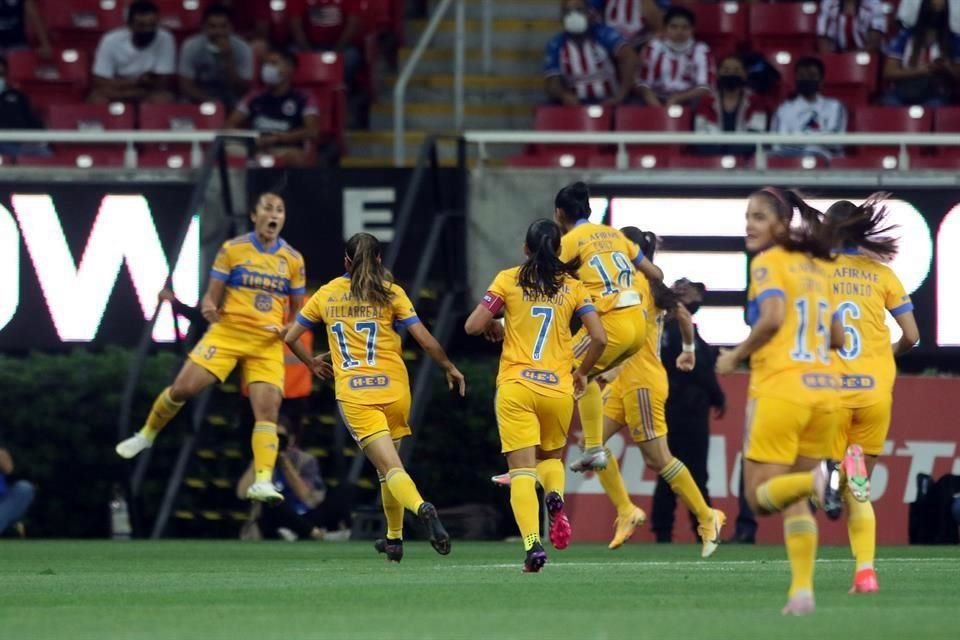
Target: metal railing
{"points": [[400, 88]]}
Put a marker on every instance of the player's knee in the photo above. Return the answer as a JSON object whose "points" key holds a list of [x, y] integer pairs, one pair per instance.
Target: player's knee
{"points": [[179, 391]]}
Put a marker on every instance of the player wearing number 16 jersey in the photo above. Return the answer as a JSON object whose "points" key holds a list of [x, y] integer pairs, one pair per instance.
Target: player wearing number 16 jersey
{"points": [[866, 289], [363, 311], [535, 387]]}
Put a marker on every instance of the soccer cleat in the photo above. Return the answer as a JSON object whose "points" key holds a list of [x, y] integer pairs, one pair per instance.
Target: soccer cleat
{"points": [[264, 492], [502, 480], [560, 531], [799, 605], [827, 488], [439, 538], [591, 460], [536, 558], [710, 533], [854, 467], [865, 581], [133, 445], [626, 526], [392, 548]]}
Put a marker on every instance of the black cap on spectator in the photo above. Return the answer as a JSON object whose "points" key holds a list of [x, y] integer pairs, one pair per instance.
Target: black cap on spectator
{"points": [[676, 11]]}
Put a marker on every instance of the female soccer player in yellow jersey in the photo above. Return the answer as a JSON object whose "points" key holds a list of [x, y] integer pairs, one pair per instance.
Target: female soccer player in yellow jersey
{"points": [[535, 387], [608, 267], [866, 289], [793, 403], [363, 311], [256, 283], [636, 399]]}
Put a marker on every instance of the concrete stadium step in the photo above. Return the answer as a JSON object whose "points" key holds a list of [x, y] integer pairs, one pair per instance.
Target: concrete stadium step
{"points": [[514, 9], [509, 33], [503, 89], [438, 117], [375, 148], [504, 62]]}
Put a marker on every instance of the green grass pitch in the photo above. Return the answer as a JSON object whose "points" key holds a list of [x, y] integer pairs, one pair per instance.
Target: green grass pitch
{"points": [[273, 590]]}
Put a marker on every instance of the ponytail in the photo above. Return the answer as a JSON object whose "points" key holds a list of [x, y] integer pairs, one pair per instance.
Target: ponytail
{"points": [[574, 201], [862, 227], [812, 235], [369, 281], [543, 272], [663, 296]]}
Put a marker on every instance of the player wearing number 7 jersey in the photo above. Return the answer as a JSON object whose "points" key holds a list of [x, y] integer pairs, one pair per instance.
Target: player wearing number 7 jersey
{"points": [[363, 311], [866, 289], [535, 386]]}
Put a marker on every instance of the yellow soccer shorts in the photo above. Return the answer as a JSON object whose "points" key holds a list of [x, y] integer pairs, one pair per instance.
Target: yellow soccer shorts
{"points": [[780, 431], [368, 422], [641, 409], [865, 426], [626, 332], [530, 419], [260, 354]]}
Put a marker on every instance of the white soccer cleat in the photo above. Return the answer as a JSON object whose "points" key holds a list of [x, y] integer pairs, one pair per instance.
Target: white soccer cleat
{"points": [[264, 492], [133, 445], [801, 604], [594, 459]]}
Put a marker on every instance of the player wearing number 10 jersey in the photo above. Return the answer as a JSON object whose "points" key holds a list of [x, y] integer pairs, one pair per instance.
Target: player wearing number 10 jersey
{"points": [[866, 289], [363, 311]]}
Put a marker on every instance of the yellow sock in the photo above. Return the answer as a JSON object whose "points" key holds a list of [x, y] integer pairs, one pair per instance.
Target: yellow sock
{"points": [[551, 475], [525, 504], [613, 484], [591, 416], [162, 412], [862, 529], [393, 511], [681, 481], [779, 493], [264, 444], [800, 536], [404, 491]]}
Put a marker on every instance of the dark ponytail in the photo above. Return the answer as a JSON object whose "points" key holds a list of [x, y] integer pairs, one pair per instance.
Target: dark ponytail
{"points": [[862, 227], [574, 201], [812, 235], [663, 296], [543, 272], [369, 281]]}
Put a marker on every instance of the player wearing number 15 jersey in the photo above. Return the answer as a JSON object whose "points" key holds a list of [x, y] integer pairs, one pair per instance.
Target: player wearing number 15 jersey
{"points": [[535, 386], [866, 290], [257, 280], [363, 311]]}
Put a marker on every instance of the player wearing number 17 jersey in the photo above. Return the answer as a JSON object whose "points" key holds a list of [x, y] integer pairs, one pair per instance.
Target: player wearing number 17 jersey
{"points": [[363, 311], [866, 290]]}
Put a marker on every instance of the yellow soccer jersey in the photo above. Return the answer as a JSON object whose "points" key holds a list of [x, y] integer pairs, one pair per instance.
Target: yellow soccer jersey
{"points": [[607, 263], [795, 364], [537, 345], [364, 344], [865, 290], [258, 282], [644, 369]]}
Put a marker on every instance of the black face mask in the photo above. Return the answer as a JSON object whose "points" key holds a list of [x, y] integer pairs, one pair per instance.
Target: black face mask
{"points": [[692, 307], [142, 39], [730, 83], [808, 88]]}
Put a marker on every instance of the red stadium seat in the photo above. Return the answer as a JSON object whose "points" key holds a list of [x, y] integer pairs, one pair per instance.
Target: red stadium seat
{"points": [[182, 17], [91, 117], [80, 23], [726, 163], [890, 120], [654, 119], [65, 78], [638, 160], [560, 118], [950, 162], [546, 159], [785, 25], [322, 74], [77, 157], [722, 25], [279, 22], [871, 161], [850, 77], [181, 117], [795, 163], [947, 120]]}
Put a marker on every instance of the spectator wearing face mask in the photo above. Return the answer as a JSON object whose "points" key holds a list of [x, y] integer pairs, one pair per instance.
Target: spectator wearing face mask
{"points": [[922, 60], [137, 62], [732, 107], [635, 20], [588, 63], [676, 68], [285, 117], [216, 65], [809, 111], [850, 25]]}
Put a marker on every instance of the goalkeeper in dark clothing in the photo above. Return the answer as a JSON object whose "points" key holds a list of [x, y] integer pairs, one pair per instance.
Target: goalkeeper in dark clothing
{"points": [[692, 394]]}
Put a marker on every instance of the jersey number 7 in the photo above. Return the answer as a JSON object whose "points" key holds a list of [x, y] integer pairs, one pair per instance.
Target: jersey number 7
{"points": [[370, 328]]}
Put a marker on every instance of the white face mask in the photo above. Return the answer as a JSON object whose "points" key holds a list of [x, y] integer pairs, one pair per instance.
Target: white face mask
{"points": [[575, 22], [3, 85], [270, 74]]}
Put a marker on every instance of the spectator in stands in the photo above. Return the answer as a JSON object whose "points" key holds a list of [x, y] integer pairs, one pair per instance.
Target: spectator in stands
{"points": [[809, 111], [329, 25], [137, 62], [15, 497], [17, 17], [216, 64], [635, 20], [676, 69], [16, 112], [589, 63], [733, 107], [286, 118], [850, 25], [922, 60]]}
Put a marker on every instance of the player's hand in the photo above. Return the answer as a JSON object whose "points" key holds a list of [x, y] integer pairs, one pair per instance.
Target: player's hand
{"points": [[456, 379], [579, 385], [686, 361], [494, 331], [727, 361], [321, 366], [210, 314]]}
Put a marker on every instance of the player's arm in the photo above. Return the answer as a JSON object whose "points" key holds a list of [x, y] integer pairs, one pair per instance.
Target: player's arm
{"points": [[433, 349], [911, 333], [478, 321], [483, 319], [772, 313], [837, 336], [598, 342], [687, 359], [318, 364], [210, 304]]}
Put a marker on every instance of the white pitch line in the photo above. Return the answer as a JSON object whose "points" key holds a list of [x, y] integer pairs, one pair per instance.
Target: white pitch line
{"points": [[693, 564]]}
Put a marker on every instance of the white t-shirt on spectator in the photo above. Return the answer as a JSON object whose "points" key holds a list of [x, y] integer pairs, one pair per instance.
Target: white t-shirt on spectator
{"points": [[799, 115], [116, 56]]}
